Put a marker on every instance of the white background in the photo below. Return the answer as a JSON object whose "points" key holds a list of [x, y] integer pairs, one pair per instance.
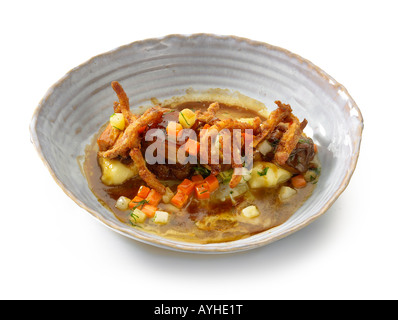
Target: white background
{"points": [[50, 248]]}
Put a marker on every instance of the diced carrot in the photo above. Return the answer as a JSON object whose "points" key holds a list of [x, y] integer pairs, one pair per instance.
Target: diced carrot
{"points": [[149, 210], [315, 148], [197, 178], [153, 197], [202, 191], [192, 147], [186, 186], [299, 181], [143, 192], [212, 181], [173, 129], [134, 203], [179, 199]]}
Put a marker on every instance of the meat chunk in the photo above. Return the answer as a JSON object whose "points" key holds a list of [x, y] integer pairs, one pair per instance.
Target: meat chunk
{"points": [[301, 156]]}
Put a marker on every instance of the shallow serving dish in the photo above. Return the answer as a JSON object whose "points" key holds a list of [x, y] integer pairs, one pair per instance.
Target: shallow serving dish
{"points": [[77, 105]]}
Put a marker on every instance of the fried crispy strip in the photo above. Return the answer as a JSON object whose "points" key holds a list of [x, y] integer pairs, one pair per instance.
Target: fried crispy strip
{"points": [[144, 173], [273, 120], [235, 124], [130, 138], [124, 103], [209, 114], [289, 140]]}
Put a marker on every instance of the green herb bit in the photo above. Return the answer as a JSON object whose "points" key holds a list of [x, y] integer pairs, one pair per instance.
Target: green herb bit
{"points": [[139, 204], [185, 118], [263, 172], [204, 172]]}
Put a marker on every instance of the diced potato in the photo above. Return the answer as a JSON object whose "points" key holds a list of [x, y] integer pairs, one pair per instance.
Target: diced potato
{"points": [[264, 147], [267, 178], [250, 212], [187, 118], [161, 217], [122, 203], [117, 121], [168, 195], [114, 172], [285, 193], [137, 216], [310, 176]]}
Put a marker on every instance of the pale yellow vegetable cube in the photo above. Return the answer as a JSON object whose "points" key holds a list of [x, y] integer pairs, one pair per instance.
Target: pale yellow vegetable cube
{"points": [[250, 212], [285, 193], [168, 195], [117, 121], [161, 217], [247, 120], [122, 203], [137, 216], [267, 175], [187, 118], [114, 172]]}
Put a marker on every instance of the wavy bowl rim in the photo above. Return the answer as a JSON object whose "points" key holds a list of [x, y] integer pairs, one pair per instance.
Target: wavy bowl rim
{"points": [[190, 247]]}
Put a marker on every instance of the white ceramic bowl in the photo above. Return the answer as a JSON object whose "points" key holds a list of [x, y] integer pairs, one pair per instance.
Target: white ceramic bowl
{"points": [[77, 105]]}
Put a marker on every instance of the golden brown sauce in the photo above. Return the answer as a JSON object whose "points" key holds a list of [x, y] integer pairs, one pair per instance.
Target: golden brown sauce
{"points": [[201, 221]]}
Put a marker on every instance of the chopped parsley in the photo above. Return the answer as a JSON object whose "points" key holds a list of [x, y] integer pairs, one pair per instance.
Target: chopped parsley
{"points": [[139, 204], [184, 118], [263, 172]]}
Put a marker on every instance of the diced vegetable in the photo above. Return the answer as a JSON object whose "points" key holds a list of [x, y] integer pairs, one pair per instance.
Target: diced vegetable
{"points": [[161, 217], [315, 148], [246, 175], [143, 192], [114, 172], [173, 129], [212, 183], [197, 178], [261, 177], [310, 176], [154, 197], [179, 199], [137, 216], [192, 147], [224, 192], [186, 186], [187, 118], [168, 195], [250, 212], [149, 210], [122, 203], [299, 181], [202, 191], [285, 193], [117, 121], [142, 129], [137, 203], [264, 147]]}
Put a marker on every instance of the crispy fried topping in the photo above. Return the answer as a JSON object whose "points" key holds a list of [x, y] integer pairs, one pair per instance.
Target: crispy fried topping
{"points": [[281, 128]]}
